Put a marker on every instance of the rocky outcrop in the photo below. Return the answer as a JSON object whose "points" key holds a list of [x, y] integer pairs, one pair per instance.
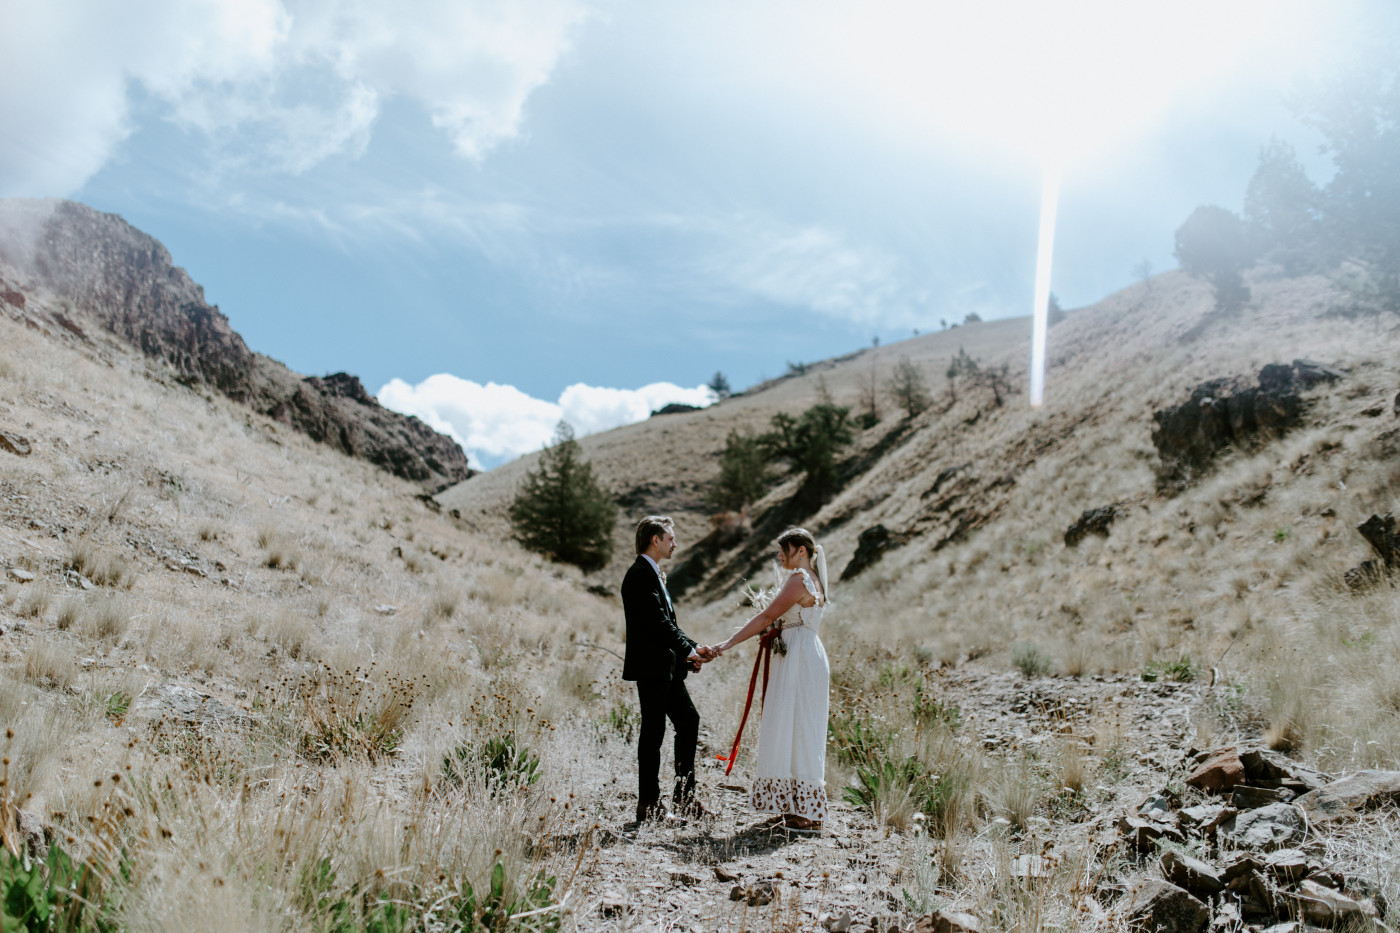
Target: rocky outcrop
{"points": [[336, 410], [1380, 532], [1228, 412], [872, 544], [125, 282], [1092, 522]]}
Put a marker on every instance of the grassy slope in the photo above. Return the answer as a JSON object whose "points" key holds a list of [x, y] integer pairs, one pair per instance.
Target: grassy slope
{"points": [[1248, 559], [142, 476]]}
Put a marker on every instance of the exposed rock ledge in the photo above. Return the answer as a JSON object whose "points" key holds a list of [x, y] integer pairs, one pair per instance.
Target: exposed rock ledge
{"points": [[125, 282]]}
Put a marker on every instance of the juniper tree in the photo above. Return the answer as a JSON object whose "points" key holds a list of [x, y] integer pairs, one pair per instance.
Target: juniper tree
{"points": [[811, 444], [1212, 245], [744, 473], [908, 388], [561, 511]]}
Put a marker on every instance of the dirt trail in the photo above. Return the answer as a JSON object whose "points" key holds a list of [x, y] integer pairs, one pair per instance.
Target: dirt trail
{"points": [[683, 877]]}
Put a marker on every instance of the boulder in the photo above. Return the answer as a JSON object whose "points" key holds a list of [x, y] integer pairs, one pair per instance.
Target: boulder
{"points": [[1093, 522], [1219, 772], [1380, 532], [1276, 826], [1206, 818], [1163, 907], [1345, 798], [20, 575], [1196, 876], [1288, 865]]}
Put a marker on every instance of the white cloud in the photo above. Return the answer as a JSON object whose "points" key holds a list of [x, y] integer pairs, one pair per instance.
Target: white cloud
{"points": [[812, 268], [495, 423], [273, 84]]}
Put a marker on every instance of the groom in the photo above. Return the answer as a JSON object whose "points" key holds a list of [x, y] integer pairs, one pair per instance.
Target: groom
{"points": [[659, 655]]}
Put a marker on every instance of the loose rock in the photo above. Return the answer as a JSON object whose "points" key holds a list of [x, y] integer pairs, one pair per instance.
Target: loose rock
{"points": [[1273, 827], [1195, 876], [1092, 522], [23, 576], [1345, 798], [1221, 771], [1165, 908], [1323, 905]]}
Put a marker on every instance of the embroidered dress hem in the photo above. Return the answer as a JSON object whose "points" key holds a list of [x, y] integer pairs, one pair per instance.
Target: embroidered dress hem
{"points": [[789, 795]]}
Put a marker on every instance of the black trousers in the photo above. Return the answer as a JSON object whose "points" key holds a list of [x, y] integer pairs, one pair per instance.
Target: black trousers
{"points": [[661, 700]]}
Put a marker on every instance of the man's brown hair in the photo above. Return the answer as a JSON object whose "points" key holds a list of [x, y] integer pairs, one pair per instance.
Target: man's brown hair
{"points": [[650, 527]]}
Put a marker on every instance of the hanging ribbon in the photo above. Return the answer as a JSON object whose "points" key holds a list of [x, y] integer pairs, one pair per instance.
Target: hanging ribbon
{"points": [[763, 659]]}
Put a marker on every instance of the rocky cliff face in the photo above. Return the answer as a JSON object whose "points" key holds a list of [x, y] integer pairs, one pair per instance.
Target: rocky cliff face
{"points": [[106, 273]]}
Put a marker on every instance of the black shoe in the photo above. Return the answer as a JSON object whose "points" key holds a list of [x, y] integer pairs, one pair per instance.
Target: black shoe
{"points": [[691, 807], [655, 810]]}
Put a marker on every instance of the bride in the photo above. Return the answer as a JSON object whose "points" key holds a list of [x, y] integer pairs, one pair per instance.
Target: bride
{"points": [[791, 775]]}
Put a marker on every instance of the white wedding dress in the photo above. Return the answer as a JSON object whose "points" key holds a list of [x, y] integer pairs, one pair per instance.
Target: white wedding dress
{"points": [[791, 772]]}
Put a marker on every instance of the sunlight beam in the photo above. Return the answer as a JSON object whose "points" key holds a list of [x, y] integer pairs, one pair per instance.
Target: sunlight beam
{"points": [[1049, 205]]}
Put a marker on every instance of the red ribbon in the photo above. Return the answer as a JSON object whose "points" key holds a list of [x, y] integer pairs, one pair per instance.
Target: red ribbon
{"points": [[764, 657]]}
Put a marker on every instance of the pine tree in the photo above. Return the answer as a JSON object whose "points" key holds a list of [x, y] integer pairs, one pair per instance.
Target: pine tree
{"points": [[908, 388], [744, 473], [561, 511]]}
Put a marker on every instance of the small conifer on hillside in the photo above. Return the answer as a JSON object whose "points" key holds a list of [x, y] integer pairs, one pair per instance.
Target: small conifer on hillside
{"points": [[561, 511], [908, 388], [812, 444], [744, 473]]}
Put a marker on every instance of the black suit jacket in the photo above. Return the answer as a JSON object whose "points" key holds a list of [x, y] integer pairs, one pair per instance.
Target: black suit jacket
{"points": [[656, 647]]}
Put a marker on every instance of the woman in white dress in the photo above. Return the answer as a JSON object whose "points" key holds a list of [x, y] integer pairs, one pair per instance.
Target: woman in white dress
{"points": [[791, 775]]}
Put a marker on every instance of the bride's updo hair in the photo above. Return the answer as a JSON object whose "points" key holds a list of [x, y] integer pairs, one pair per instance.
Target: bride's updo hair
{"points": [[798, 537]]}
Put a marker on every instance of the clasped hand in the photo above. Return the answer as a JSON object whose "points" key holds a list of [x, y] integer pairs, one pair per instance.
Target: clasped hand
{"points": [[703, 654]]}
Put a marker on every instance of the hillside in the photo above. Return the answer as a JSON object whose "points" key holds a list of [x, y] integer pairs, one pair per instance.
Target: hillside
{"points": [[89, 276], [256, 683], [666, 464]]}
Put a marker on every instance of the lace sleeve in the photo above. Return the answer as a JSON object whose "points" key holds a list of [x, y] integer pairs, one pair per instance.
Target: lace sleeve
{"points": [[811, 586]]}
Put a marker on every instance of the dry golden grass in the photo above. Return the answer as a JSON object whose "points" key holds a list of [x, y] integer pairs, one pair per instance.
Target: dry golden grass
{"points": [[344, 770], [1234, 582]]}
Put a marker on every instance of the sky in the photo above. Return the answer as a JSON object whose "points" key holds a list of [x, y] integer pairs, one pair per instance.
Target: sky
{"points": [[500, 214]]}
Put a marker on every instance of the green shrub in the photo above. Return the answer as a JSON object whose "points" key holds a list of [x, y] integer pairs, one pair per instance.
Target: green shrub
{"points": [[504, 767], [1182, 670], [1031, 661]]}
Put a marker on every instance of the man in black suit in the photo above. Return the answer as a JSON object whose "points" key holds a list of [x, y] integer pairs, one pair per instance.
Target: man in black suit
{"points": [[659, 655]]}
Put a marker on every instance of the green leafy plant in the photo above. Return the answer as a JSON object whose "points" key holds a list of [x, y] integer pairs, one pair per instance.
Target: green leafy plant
{"points": [[53, 894], [505, 767], [1183, 670], [456, 908]]}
